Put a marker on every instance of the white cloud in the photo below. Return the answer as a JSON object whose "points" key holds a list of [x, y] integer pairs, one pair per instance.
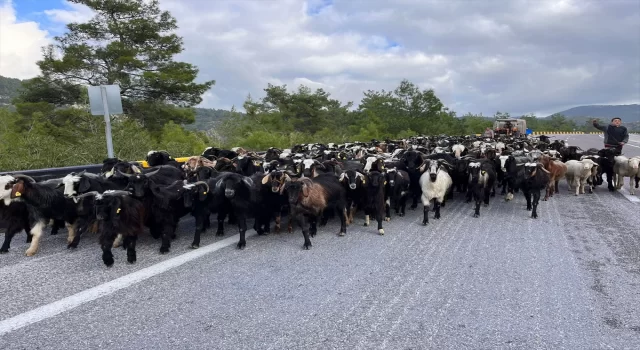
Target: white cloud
{"points": [[73, 13], [479, 56], [517, 56], [20, 44]]}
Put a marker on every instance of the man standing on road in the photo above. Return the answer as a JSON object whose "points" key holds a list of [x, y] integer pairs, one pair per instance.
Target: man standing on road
{"points": [[488, 132], [615, 135]]}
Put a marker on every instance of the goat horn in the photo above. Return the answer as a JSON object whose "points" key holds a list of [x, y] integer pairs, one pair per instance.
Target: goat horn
{"points": [[123, 174], [24, 177], [202, 182], [116, 193], [151, 173], [92, 193], [77, 198]]}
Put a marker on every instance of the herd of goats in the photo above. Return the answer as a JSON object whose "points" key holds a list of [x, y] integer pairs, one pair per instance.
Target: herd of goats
{"points": [[307, 183]]}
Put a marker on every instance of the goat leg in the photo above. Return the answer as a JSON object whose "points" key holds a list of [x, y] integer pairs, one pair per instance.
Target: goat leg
{"points": [[130, 244], [436, 206], [343, 220], [36, 231], [414, 205], [277, 225], [221, 216], [199, 229], [300, 220], [107, 255], [313, 226], [387, 210], [167, 232], [425, 219], [71, 232], [527, 195], [8, 236], [536, 200], [242, 228]]}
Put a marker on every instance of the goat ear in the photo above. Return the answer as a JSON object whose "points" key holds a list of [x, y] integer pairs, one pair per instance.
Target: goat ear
{"points": [[265, 179], [423, 167], [84, 185], [342, 176], [116, 210], [305, 190]]}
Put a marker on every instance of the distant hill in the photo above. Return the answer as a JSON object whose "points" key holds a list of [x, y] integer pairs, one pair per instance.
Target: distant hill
{"points": [[628, 113], [206, 118], [8, 89]]}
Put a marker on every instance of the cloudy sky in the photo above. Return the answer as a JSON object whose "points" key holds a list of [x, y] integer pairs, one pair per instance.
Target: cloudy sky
{"points": [[480, 56]]}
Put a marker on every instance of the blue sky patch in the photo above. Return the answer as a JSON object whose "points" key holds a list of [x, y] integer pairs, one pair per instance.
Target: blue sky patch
{"points": [[316, 6]]}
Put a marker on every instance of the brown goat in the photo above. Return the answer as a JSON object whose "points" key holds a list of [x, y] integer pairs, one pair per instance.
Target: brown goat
{"points": [[196, 162], [313, 198], [557, 170]]}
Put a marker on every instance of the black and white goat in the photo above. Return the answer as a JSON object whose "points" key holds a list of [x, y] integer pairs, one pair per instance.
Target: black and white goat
{"points": [[482, 178], [435, 183], [44, 204], [12, 211]]}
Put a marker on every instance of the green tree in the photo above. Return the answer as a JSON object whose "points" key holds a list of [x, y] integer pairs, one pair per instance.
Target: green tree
{"points": [[407, 107], [129, 43]]}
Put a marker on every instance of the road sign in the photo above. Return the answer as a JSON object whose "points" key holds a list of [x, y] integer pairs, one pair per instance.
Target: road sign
{"points": [[103, 100]]}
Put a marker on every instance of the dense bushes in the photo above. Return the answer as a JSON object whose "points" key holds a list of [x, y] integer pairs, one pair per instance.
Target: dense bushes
{"points": [[41, 143]]}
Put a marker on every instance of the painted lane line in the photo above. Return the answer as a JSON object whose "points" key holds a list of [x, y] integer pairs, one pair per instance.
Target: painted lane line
{"points": [[633, 199], [602, 137], [57, 307]]}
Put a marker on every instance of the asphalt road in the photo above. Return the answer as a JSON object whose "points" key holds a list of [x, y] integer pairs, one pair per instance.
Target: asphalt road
{"points": [[570, 279]]}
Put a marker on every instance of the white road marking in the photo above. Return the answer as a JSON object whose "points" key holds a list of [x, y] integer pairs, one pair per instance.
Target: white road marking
{"points": [[602, 137], [57, 307], [623, 191]]}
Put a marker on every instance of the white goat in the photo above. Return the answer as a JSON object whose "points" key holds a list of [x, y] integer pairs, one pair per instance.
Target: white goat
{"points": [[625, 167], [435, 183], [578, 171], [458, 149]]}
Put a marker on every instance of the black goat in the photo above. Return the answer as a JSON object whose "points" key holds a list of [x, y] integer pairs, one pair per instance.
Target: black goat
{"points": [[138, 184], [232, 193], [397, 191], [536, 179], [607, 160], [311, 197], [412, 161], [119, 213], [271, 201], [170, 203], [157, 158], [375, 202]]}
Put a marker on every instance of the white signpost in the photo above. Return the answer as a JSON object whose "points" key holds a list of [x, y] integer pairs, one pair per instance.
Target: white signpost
{"points": [[106, 100]]}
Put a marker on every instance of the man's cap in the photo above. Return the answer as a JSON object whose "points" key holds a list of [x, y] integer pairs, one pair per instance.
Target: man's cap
{"points": [[612, 119]]}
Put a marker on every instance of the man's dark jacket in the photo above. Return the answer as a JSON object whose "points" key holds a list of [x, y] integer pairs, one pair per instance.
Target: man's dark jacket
{"points": [[613, 135]]}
